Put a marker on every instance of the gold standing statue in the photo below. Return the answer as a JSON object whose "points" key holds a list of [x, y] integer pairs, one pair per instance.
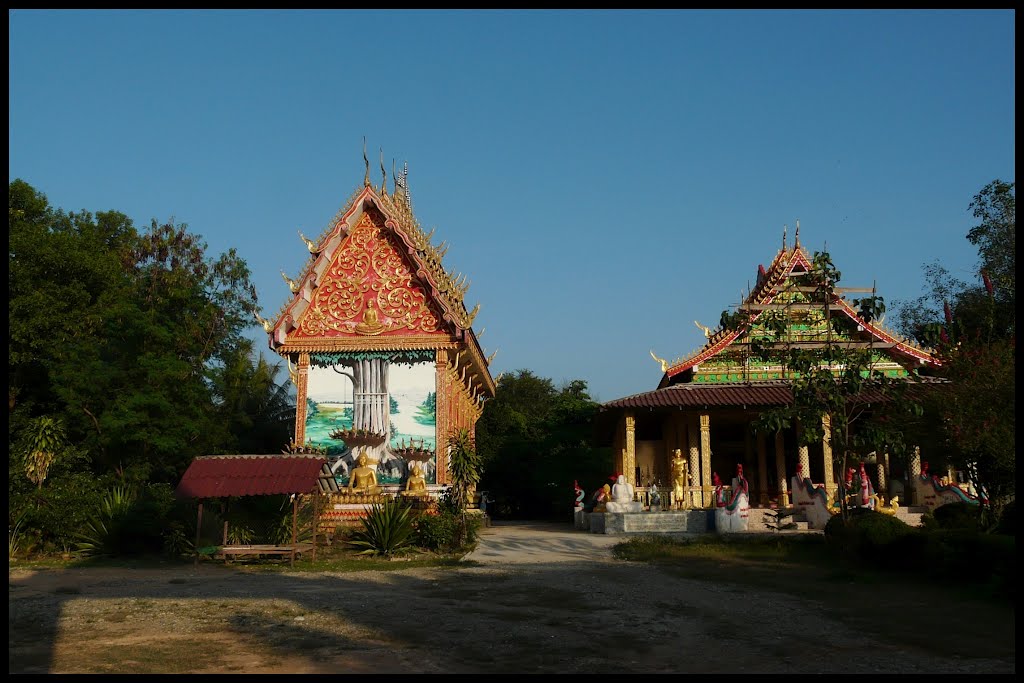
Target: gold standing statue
{"points": [[679, 498]]}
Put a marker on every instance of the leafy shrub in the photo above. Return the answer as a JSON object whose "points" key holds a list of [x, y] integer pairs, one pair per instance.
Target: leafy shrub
{"points": [[876, 530], [1008, 520], [176, 541], [131, 521], [437, 532], [866, 535], [969, 555], [956, 516], [55, 514], [387, 529], [451, 529]]}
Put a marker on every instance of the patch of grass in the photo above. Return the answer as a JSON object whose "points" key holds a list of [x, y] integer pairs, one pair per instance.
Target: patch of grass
{"points": [[910, 609], [341, 562]]}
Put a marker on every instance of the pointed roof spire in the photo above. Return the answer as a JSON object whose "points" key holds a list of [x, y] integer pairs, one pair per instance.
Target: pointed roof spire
{"points": [[366, 161], [405, 185], [784, 229], [384, 172], [394, 176], [796, 237]]}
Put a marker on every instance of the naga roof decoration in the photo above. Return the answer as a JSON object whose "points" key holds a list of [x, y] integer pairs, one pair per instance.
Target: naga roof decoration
{"points": [[770, 288], [375, 281]]}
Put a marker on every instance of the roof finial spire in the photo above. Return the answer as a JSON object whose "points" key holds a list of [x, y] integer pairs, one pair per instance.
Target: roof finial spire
{"points": [[366, 161], [401, 189], [394, 176], [405, 185], [796, 236], [784, 229], [384, 172]]}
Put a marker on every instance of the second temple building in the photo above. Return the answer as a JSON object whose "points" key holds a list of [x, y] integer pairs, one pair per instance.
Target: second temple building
{"points": [[707, 401]]}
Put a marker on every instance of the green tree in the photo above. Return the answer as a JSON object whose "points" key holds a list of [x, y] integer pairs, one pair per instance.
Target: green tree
{"points": [[832, 380], [972, 327], [536, 440], [135, 343], [465, 469]]}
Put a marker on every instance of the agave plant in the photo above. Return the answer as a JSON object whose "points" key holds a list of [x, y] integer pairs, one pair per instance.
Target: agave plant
{"points": [[15, 537], [387, 529], [102, 534]]}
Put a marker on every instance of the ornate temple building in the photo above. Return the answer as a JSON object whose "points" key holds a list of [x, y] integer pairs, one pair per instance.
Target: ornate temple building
{"points": [[380, 344], [706, 402]]}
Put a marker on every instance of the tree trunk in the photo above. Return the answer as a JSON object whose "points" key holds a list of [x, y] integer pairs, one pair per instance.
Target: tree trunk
{"points": [[371, 404]]}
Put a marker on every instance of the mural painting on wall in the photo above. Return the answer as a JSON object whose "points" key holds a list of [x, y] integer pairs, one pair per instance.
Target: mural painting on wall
{"points": [[383, 402]]}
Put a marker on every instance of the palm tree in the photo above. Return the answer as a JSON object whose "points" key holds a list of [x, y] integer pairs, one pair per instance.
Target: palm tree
{"points": [[465, 468]]}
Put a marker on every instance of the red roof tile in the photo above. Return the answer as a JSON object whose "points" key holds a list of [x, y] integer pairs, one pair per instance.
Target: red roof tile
{"points": [[721, 395], [700, 395], [216, 476]]}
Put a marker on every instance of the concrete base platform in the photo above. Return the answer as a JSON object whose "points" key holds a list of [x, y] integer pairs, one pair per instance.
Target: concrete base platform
{"points": [[673, 522]]}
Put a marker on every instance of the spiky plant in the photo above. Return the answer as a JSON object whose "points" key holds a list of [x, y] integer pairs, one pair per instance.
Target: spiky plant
{"points": [[104, 531], [387, 529]]}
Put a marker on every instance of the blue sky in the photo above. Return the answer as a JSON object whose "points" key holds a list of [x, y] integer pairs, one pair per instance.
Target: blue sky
{"points": [[605, 178]]}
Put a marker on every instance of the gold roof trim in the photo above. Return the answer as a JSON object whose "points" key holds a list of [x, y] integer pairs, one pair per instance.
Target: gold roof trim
{"points": [[332, 344]]}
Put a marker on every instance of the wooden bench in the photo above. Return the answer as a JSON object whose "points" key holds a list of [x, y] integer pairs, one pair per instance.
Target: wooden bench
{"points": [[241, 550]]}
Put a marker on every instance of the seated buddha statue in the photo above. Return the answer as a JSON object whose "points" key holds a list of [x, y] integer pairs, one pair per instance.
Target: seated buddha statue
{"points": [[363, 479], [416, 484], [622, 497]]}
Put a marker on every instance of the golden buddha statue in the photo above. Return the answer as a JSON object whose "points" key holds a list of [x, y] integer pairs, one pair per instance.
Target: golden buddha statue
{"points": [[371, 323], [679, 480], [363, 479], [416, 484]]}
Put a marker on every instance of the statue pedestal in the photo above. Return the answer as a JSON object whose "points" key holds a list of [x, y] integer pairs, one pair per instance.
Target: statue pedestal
{"points": [[666, 522]]}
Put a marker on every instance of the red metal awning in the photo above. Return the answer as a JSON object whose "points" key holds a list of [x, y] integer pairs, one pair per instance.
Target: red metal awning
{"points": [[219, 476]]}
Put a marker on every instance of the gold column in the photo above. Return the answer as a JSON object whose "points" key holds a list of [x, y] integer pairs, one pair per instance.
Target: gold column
{"points": [[762, 470], [780, 468], [826, 449], [301, 390], [803, 453], [694, 448], [915, 473], [880, 464], [705, 460], [884, 469], [629, 466], [441, 420]]}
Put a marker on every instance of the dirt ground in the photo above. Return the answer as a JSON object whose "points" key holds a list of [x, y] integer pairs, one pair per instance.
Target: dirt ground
{"points": [[525, 602]]}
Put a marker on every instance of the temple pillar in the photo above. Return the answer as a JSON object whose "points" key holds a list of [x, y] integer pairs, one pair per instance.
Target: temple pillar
{"points": [[887, 470], [826, 449], [880, 459], [694, 448], [762, 470], [707, 495], [301, 390], [441, 419], [780, 469], [803, 453], [629, 466], [913, 474]]}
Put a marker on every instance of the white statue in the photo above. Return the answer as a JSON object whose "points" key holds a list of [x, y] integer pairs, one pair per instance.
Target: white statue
{"points": [[622, 497]]}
